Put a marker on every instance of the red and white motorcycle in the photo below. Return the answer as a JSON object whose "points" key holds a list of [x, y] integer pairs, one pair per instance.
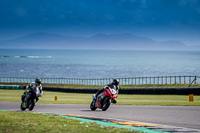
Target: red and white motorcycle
{"points": [[104, 99]]}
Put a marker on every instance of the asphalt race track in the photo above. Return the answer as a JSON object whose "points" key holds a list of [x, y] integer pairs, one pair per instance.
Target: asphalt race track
{"points": [[180, 116]]}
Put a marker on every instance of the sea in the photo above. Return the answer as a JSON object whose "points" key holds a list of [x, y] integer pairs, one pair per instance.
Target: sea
{"points": [[93, 64]]}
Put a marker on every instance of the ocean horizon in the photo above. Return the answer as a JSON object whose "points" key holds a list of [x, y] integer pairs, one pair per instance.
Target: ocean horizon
{"points": [[57, 63]]}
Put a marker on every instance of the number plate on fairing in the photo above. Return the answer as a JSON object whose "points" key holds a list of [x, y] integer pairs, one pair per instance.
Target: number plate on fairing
{"points": [[113, 91]]}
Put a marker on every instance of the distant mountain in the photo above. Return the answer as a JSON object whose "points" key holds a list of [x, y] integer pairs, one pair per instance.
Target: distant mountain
{"points": [[40, 40], [99, 41]]}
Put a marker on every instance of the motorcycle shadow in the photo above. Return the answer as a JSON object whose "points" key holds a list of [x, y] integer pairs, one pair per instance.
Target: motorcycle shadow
{"points": [[23, 111], [91, 110]]}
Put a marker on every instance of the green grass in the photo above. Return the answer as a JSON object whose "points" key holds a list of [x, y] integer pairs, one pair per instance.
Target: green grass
{"points": [[17, 122], [73, 86], [76, 98]]}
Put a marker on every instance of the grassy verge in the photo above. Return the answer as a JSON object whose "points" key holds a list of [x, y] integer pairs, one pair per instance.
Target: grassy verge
{"points": [[17, 122], [72, 86], [76, 98]]}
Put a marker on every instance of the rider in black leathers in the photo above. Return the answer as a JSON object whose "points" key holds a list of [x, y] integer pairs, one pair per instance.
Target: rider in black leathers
{"points": [[116, 83]]}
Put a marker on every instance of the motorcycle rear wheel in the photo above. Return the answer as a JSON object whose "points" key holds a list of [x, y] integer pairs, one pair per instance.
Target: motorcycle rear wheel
{"points": [[92, 106]]}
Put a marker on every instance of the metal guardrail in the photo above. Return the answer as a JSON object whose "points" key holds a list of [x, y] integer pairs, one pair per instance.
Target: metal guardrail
{"points": [[123, 81], [10, 87]]}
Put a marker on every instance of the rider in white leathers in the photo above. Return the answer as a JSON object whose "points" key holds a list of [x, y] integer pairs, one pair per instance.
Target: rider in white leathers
{"points": [[35, 84]]}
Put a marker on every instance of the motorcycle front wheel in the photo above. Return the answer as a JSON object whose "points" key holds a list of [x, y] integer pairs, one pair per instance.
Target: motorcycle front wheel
{"points": [[106, 104], [31, 104], [22, 108]]}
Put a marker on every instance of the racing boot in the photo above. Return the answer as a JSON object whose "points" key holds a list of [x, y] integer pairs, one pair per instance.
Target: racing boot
{"points": [[114, 101], [22, 98], [94, 98], [37, 98], [26, 100], [23, 103], [98, 92]]}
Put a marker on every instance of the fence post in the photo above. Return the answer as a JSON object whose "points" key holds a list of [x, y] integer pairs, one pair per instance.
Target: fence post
{"points": [[154, 78], [129, 81], [158, 80], [184, 79], [139, 80], [189, 79], [150, 80], [142, 80], [132, 81], [175, 79], [135, 81], [146, 80], [193, 81]]}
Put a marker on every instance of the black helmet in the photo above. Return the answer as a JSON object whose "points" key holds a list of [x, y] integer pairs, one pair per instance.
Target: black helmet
{"points": [[115, 81], [38, 81]]}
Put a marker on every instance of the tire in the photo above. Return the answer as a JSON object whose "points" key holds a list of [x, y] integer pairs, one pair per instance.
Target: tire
{"points": [[22, 108], [106, 104], [92, 106], [31, 104]]}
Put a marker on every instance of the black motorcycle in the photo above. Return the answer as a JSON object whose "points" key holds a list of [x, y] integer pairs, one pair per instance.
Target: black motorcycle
{"points": [[30, 99]]}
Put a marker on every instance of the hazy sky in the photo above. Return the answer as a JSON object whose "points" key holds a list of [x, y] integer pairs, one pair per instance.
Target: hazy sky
{"points": [[158, 19]]}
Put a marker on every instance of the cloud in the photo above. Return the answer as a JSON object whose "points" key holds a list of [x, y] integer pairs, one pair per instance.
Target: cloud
{"points": [[104, 15]]}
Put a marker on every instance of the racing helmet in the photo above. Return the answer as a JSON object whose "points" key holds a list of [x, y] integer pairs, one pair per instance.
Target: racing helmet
{"points": [[116, 81], [38, 81]]}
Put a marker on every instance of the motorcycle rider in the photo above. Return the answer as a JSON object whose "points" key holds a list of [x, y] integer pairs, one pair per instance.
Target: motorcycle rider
{"points": [[116, 83], [35, 84]]}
